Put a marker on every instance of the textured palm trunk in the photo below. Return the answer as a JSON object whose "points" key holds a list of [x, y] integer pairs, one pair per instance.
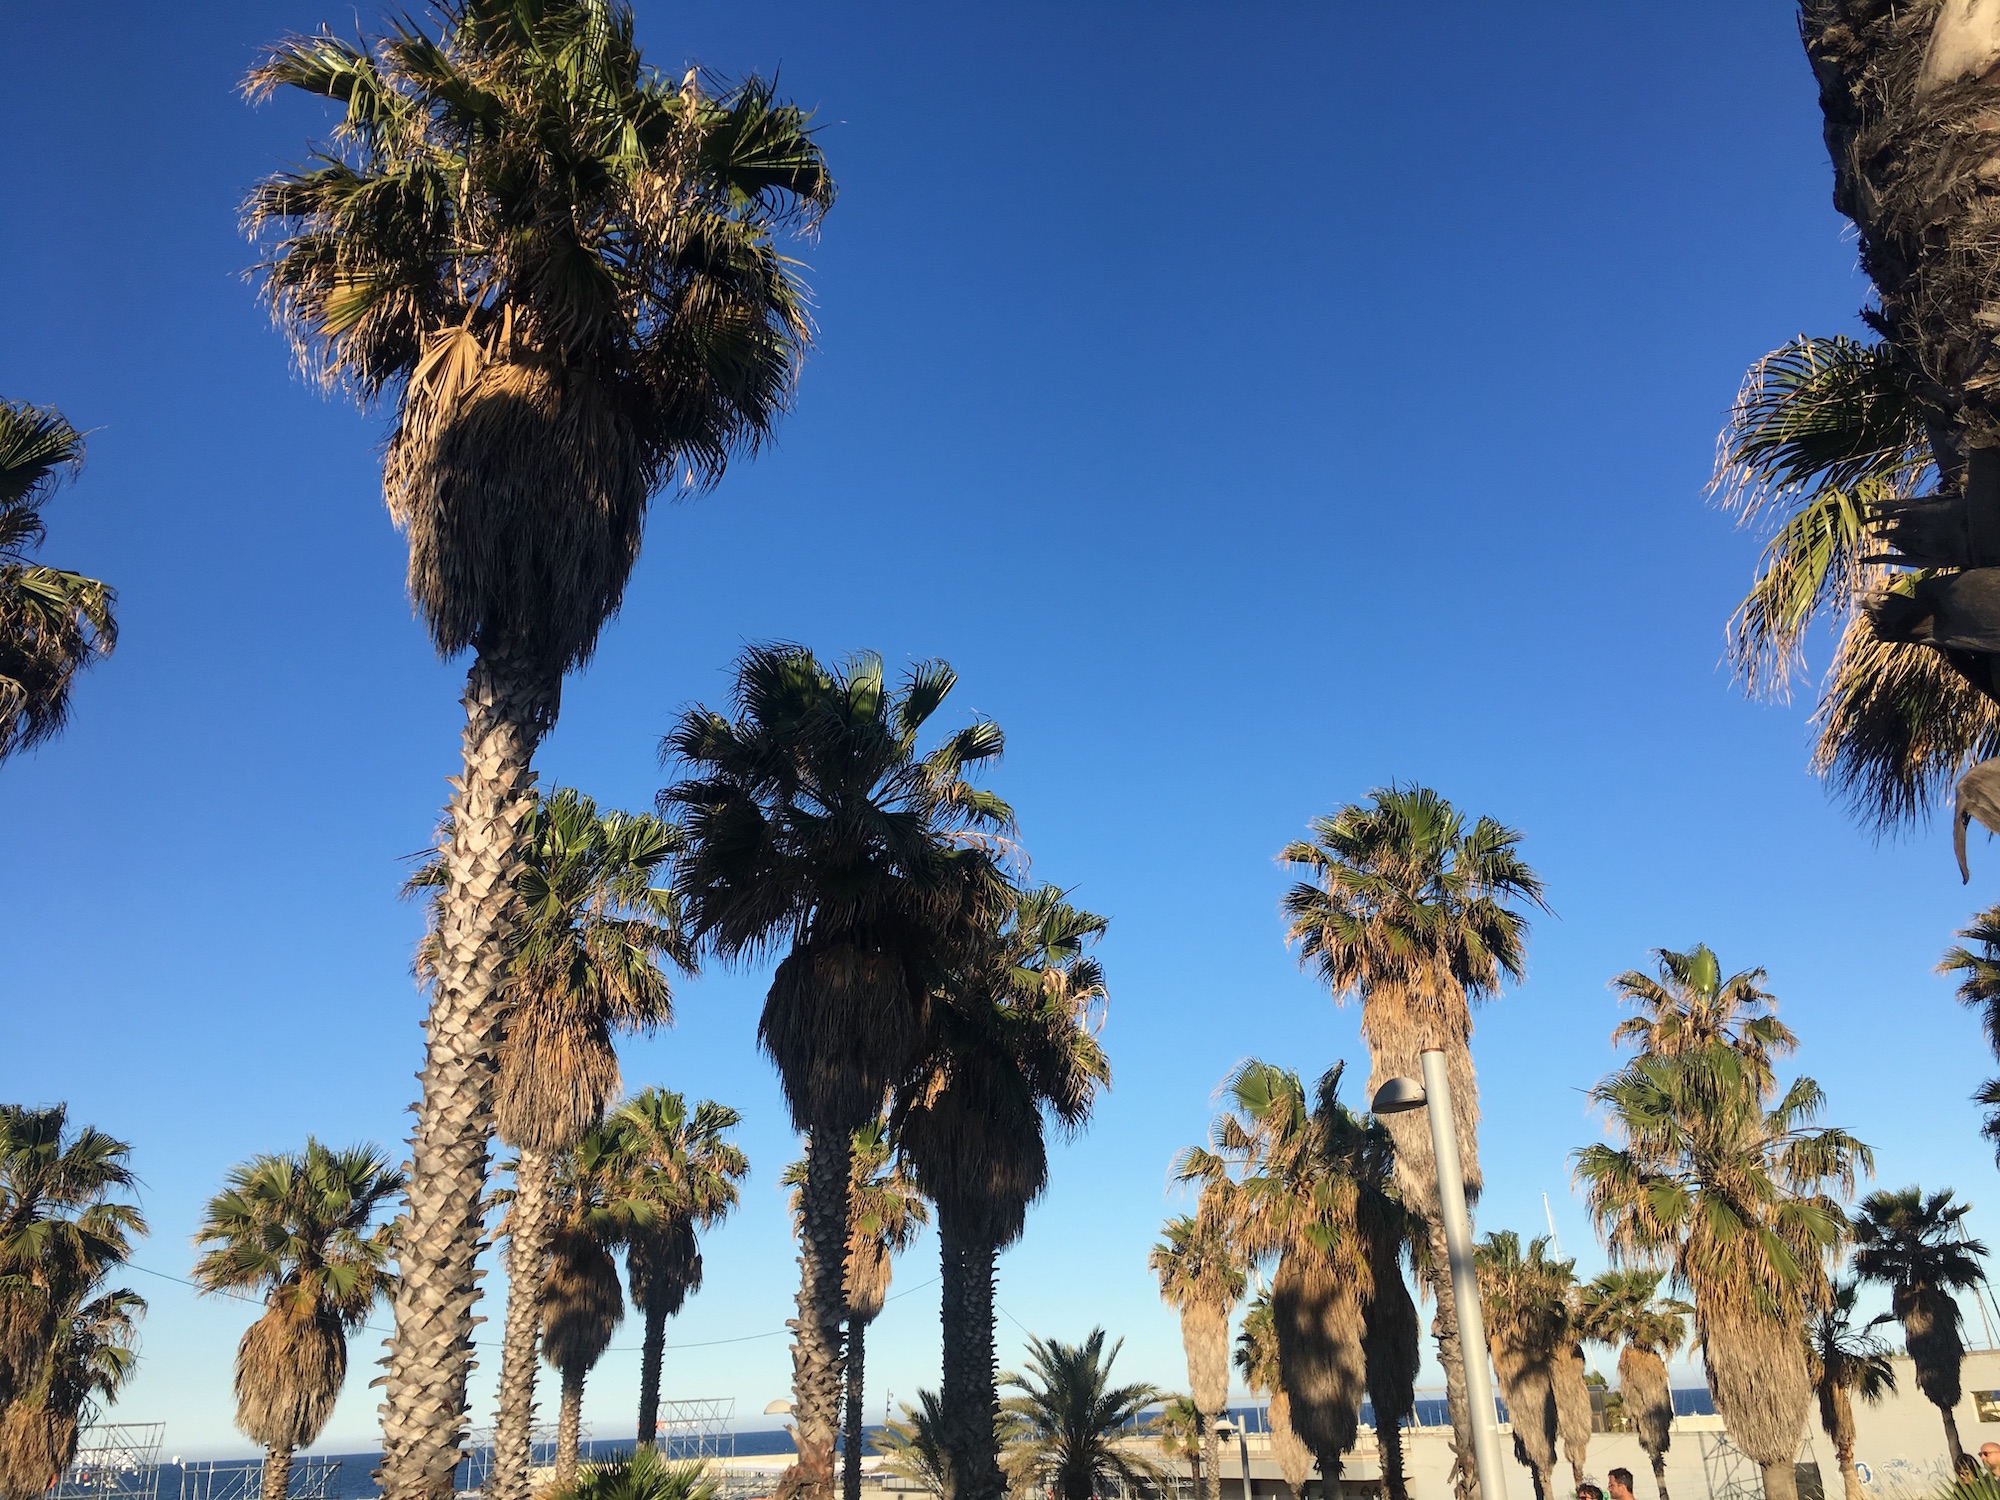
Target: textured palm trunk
{"points": [[1389, 1447], [968, 1390], [850, 1437], [277, 1473], [1659, 1462], [1781, 1481], [816, 1332], [1951, 1440], [569, 1426], [651, 1358], [527, 1256], [508, 707], [1211, 1459]]}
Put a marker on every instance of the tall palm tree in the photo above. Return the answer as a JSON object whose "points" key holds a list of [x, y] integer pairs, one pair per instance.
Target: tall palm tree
{"points": [[1063, 1429], [683, 1170], [1011, 1050], [585, 961], [1624, 1308], [1526, 1324], [559, 268], [1911, 1242], [1979, 989], [1415, 912], [1732, 1191], [1257, 1359], [64, 1340], [53, 623], [1201, 1280], [884, 1216], [1845, 1362], [299, 1228], [1689, 1003], [581, 1304], [817, 827]]}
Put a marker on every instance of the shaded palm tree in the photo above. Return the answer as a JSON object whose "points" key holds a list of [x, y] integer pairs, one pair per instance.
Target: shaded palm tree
{"points": [[560, 269], [820, 830], [1845, 1362], [300, 1229], [1737, 1200], [65, 1341], [1011, 1049], [1063, 1429], [912, 1447], [581, 1304], [585, 961], [53, 623], [1623, 1308], [1201, 1280], [1911, 1242], [1257, 1359], [1407, 907], [682, 1173], [1526, 1324], [1979, 989]]}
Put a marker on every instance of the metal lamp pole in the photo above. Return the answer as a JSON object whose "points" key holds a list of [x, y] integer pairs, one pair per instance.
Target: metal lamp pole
{"points": [[1434, 1093]]}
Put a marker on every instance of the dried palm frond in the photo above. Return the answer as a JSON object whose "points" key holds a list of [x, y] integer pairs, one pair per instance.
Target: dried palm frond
{"points": [[290, 1367]]}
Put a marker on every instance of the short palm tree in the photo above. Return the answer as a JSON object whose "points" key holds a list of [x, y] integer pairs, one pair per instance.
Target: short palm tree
{"points": [[684, 1170], [1180, 1427], [912, 1447], [1064, 1426], [1911, 1242], [1416, 911], [1623, 1308], [585, 962], [1527, 1325], [1979, 988], [581, 1303], [819, 829], [643, 1476], [1735, 1194], [1202, 1281], [1257, 1360], [299, 1229], [560, 268], [53, 623], [1012, 1049], [1845, 1362], [64, 1340]]}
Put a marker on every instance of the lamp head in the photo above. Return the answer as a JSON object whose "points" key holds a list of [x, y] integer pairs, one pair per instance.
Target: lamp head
{"points": [[1398, 1095]]}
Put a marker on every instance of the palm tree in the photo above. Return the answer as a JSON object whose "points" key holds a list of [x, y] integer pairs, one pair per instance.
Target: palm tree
{"points": [[1912, 1243], [1309, 1184], [584, 961], [299, 1229], [1180, 1427], [1733, 1197], [1200, 1279], [581, 1304], [884, 1215], [913, 1446], [1257, 1358], [1063, 1429], [817, 827], [683, 1169], [64, 1341], [1980, 989], [1012, 1048], [560, 268], [1526, 1323], [1407, 907], [53, 623], [643, 1476], [1688, 1003], [1845, 1362], [1622, 1307]]}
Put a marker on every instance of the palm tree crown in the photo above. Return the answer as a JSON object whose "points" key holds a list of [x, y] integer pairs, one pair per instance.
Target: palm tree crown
{"points": [[53, 623], [1063, 1427]]}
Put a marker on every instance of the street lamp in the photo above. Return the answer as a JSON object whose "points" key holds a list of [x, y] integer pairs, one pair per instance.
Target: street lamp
{"points": [[1394, 1097], [1223, 1428]]}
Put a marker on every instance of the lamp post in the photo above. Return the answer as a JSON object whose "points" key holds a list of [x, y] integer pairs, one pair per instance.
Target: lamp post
{"points": [[1434, 1093], [1223, 1428]]}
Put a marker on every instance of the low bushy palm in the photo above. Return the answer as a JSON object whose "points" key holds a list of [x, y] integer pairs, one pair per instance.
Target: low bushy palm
{"points": [[643, 1476], [1063, 1430], [913, 1446]]}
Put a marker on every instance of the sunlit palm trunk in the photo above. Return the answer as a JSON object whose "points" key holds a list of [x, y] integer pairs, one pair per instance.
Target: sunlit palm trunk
{"points": [[527, 1254], [969, 1393], [569, 1426], [508, 708], [1211, 1459], [816, 1341], [1659, 1461], [651, 1358], [850, 1443], [277, 1473], [1781, 1481]]}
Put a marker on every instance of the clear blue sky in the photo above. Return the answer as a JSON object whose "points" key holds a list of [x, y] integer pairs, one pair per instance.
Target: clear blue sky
{"points": [[1255, 404]]}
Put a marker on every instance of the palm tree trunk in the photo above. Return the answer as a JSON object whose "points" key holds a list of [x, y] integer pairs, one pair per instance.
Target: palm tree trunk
{"points": [[967, 1388], [850, 1438], [277, 1473], [1781, 1481], [1850, 1477], [569, 1426], [508, 707], [1659, 1461], [1389, 1447], [816, 1333], [1211, 1459], [1958, 1464], [527, 1255], [1444, 1328], [651, 1358]]}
